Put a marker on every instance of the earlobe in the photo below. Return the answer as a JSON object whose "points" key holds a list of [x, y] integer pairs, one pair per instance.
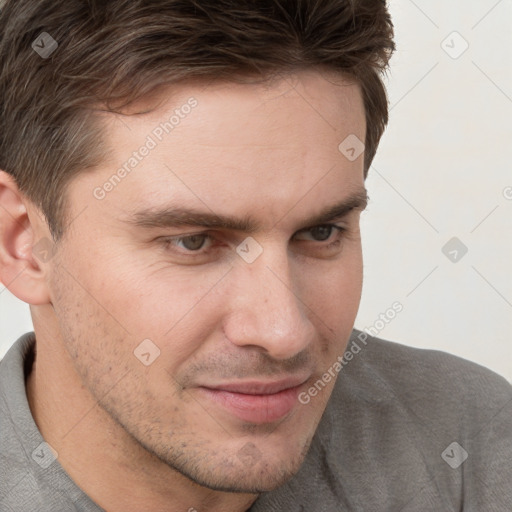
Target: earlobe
{"points": [[21, 271]]}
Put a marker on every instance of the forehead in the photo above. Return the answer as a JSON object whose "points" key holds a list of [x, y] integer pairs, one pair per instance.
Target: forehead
{"points": [[242, 146], [229, 113]]}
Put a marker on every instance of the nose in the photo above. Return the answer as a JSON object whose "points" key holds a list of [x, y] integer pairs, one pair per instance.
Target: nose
{"points": [[266, 310]]}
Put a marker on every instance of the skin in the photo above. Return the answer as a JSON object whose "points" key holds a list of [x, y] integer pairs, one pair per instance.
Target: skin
{"points": [[270, 152]]}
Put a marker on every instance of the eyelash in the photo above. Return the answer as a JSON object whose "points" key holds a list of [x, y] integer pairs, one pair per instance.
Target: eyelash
{"points": [[169, 241]]}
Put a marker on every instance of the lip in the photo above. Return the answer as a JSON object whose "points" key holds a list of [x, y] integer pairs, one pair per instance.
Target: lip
{"points": [[256, 402]]}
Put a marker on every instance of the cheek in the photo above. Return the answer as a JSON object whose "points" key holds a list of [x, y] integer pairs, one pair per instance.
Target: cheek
{"points": [[95, 342], [171, 306], [333, 293], [334, 288]]}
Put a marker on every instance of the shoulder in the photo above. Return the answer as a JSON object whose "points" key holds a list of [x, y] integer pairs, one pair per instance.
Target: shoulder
{"points": [[407, 425], [431, 377]]}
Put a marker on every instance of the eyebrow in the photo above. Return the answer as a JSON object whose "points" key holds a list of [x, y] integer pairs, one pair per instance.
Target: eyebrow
{"points": [[174, 217]]}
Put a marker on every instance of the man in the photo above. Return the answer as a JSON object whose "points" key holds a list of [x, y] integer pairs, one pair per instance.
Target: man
{"points": [[180, 195]]}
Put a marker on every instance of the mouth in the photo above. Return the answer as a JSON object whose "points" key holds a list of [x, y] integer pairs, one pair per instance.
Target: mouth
{"points": [[256, 402]]}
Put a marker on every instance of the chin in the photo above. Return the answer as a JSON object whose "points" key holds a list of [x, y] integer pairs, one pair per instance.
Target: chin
{"points": [[254, 468], [255, 480]]}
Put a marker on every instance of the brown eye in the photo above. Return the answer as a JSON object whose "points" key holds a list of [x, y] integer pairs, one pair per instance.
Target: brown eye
{"points": [[193, 242], [321, 233], [198, 243], [318, 233]]}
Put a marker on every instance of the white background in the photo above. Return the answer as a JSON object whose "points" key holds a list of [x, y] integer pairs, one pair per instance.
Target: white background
{"points": [[442, 171]]}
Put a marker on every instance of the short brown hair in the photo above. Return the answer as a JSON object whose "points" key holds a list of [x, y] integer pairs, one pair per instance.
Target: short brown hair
{"points": [[115, 52]]}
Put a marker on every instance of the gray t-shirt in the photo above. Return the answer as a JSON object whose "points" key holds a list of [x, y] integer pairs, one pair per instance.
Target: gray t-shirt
{"points": [[405, 430]]}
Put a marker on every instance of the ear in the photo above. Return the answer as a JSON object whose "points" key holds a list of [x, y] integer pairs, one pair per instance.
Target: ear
{"points": [[24, 246]]}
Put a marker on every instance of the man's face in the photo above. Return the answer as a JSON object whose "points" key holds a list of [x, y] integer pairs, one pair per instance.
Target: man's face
{"points": [[194, 339]]}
